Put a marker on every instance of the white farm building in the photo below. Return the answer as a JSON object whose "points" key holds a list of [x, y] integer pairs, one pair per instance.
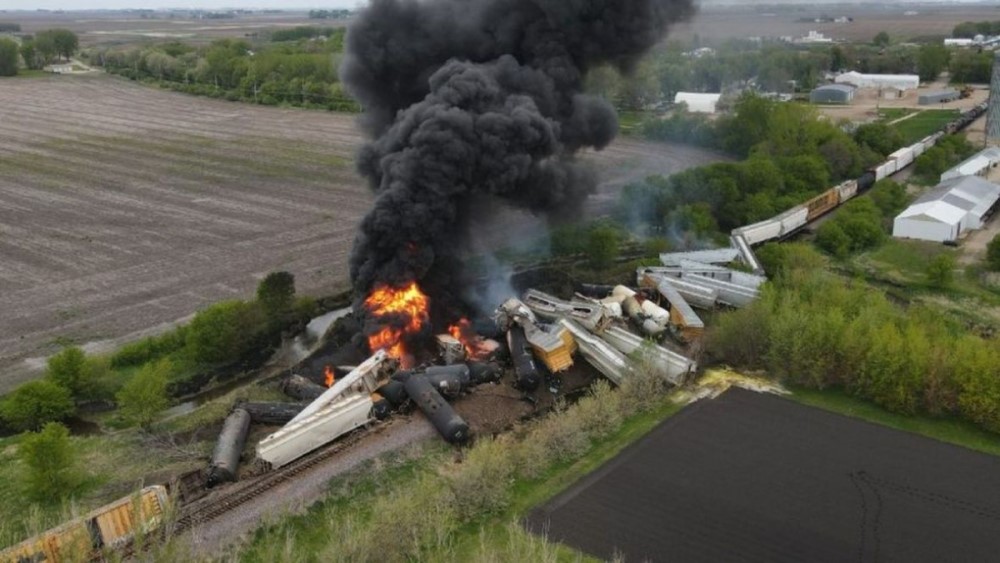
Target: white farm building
{"points": [[901, 82], [977, 164], [698, 103], [947, 211]]}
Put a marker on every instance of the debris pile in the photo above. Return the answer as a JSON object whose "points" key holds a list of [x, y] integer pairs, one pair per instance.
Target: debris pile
{"points": [[537, 340]]}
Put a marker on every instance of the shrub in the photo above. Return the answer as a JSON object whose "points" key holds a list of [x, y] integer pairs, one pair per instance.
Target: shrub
{"points": [[225, 332], [602, 245], [149, 349], [145, 395], [276, 295], [51, 464], [68, 369], [941, 271], [36, 403], [993, 254], [600, 413], [481, 484]]}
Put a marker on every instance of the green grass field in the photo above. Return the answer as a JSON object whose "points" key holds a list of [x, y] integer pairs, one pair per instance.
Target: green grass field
{"points": [[924, 123]]}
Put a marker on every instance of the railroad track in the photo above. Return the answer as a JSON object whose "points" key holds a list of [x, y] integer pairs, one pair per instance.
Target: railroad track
{"points": [[208, 509]]}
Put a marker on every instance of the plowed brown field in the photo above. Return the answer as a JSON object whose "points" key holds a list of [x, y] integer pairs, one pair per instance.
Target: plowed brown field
{"points": [[124, 208]]}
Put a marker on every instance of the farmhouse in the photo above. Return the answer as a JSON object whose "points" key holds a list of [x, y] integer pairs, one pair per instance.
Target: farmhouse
{"points": [[901, 82], [947, 211], [832, 94], [976, 165], [698, 103]]}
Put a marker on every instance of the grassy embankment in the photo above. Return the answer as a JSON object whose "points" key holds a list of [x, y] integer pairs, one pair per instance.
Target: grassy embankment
{"points": [[948, 430], [113, 465], [924, 123], [499, 536], [899, 267]]}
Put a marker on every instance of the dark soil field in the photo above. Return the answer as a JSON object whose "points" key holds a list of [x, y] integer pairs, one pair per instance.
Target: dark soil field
{"points": [[752, 477], [124, 209]]}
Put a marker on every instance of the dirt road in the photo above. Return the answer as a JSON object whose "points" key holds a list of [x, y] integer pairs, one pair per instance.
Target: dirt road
{"points": [[124, 209]]}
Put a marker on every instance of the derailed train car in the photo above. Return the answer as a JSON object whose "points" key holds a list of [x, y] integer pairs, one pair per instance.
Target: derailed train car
{"points": [[108, 528]]}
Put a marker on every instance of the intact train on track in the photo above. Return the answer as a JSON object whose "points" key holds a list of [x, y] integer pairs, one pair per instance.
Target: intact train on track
{"points": [[791, 221]]}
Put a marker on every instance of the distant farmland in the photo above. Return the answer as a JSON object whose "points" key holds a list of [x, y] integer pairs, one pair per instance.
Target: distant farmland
{"points": [[125, 208]]}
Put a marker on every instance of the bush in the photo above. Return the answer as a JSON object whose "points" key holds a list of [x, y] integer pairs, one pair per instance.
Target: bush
{"points": [[602, 245], [149, 349], [832, 239], [145, 395], [890, 197], [68, 369], [51, 464], [879, 137], [993, 254], [941, 271], [9, 55], [36, 403], [225, 332], [276, 295], [600, 412], [481, 483]]}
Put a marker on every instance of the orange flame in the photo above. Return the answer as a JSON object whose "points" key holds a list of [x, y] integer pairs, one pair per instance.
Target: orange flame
{"points": [[328, 373], [464, 333], [406, 302]]}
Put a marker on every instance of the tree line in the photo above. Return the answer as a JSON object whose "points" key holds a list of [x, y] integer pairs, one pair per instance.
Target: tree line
{"points": [[37, 51], [141, 377], [789, 156], [817, 330], [297, 67]]}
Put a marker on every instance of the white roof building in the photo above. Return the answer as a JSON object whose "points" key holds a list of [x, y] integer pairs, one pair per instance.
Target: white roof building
{"points": [[977, 164], [901, 82], [698, 103], [947, 211]]}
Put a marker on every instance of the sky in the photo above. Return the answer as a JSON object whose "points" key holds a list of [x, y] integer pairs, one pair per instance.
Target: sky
{"points": [[255, 4], [155, 4]]}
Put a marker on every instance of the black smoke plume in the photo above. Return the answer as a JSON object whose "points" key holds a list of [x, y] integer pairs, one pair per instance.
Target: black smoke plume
{"points": [[468, 98]]}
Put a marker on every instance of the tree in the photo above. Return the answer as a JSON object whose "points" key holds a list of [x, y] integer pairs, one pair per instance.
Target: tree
{"points": [[602, 245], [225, 332], [890, 197], [831, 238], [30, 54], [993, 254], [69, 369], [276, 295], [48, 455], [8, 57], [145, 395], [881, 39], [966, 30], [838, 60], [932, 59], [36, 403], [45, 45], [880, 137], [61, 42], [941, 271]]}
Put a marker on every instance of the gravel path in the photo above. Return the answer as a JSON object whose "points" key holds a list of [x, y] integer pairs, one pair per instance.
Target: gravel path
{"points": [[299, 493]]}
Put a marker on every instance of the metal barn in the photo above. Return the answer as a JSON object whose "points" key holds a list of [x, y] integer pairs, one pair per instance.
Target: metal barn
{"points": [[947, 211], [939, 97], [832, 94]]}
